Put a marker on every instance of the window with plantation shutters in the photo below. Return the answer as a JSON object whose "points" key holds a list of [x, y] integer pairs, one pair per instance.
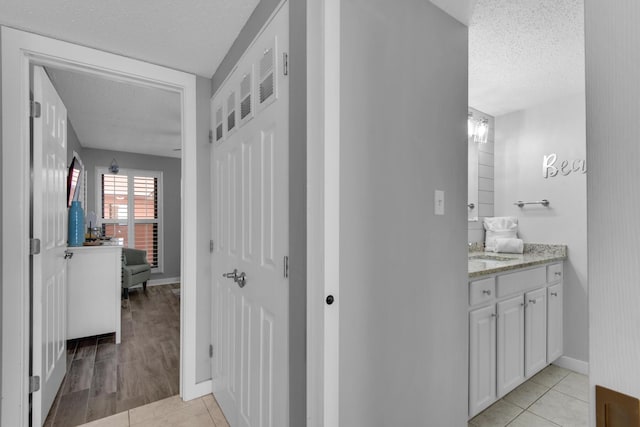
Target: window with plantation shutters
{"points": [[145, 216], [130, 209], [115, 206]]}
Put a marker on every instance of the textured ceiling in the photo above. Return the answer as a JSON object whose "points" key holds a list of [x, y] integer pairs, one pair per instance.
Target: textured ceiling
{"points": [[459, 9], [188, 35], [120, 116], [524, 52]]}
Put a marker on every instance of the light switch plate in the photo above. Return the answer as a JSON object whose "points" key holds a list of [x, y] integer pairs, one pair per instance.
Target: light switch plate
{"points": [[438, 202]]}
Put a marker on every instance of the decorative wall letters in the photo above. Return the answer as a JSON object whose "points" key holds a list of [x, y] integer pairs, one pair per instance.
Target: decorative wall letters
{"points": [[565, 167]]}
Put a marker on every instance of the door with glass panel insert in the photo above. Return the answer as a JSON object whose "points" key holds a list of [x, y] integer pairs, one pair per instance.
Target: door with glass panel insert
{"points": [[250, 222]]}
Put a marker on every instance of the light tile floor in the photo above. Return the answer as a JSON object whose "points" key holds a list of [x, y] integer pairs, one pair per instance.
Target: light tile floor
{"points": [[170, 412], [553, 397]]}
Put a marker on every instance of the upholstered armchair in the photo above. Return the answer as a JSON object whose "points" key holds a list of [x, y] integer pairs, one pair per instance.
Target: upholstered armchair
{"points": [[135, 269]]}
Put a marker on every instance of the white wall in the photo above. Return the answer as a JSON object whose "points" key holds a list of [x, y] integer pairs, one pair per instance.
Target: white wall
{"points": [[522, 139], [613, 150], [403, 271]]}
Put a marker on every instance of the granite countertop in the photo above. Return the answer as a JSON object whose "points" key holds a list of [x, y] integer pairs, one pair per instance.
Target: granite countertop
{"points": [[534, 254]]}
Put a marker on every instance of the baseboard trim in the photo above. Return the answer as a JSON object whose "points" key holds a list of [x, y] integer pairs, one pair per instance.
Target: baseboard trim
{"points": [[579, 366], [163, 281], [198, 390]]}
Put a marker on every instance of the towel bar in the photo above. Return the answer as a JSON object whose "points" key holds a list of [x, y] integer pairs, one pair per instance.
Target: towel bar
{"points": [[543, 202]]}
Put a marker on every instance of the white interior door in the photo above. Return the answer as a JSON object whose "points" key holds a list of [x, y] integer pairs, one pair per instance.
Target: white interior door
{"points": [[50, 226], [250, 223]]}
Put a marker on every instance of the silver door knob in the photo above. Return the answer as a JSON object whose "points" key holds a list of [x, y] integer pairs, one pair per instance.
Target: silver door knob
{"points": [[233, 275], [241, 280], [532, 301], [486, 292], [68, 254], [554, 294]]}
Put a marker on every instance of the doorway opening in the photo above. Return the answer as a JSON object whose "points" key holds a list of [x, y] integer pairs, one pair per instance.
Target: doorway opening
{"points": [[527, 107], [20, 51], [127, 139]]}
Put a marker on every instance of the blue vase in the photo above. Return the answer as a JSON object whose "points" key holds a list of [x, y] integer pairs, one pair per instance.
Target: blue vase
{"points": [[76, 224]]}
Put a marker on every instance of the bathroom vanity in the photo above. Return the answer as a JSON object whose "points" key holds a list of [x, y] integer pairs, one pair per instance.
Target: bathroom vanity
{"points": [[515, 319]]}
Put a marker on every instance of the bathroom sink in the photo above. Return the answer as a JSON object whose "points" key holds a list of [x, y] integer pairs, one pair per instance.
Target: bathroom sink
{"points": [[490, 258]]}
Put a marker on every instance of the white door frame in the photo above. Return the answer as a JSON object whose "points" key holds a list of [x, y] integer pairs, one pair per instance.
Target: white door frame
{"points": [[19, 50], [323, 211]]}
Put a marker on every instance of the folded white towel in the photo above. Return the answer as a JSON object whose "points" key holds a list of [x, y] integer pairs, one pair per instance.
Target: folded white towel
{"points": [[509, 246], [499, 227], [501, 223]]}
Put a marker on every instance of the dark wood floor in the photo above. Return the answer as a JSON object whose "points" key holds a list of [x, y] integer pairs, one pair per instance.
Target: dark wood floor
{"points": [[104, 378]]}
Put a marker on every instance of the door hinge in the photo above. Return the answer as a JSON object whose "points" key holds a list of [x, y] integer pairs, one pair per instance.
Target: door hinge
{"points": [[211, 246], [210, 351], [35, 109], [286, 266], [34, 384], [285, 63], [210, 137], [34, 246]]}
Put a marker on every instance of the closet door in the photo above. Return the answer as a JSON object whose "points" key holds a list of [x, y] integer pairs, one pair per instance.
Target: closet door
{"points": [[250, 184]]}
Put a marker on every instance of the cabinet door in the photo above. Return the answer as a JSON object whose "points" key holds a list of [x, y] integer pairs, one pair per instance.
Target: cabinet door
{"points": [[535, 331], [510, 342], [554, 322], [482, 359], [93, 297]]}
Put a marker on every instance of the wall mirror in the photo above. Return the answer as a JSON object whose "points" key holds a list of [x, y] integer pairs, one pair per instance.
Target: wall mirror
{"points": [[472, 197]]}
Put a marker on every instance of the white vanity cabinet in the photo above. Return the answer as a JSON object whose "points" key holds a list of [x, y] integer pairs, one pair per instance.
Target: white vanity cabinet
{"points": [[482, 358], [535, 331], [510, 344], [515, 330], [93, 291], [554, 316]]}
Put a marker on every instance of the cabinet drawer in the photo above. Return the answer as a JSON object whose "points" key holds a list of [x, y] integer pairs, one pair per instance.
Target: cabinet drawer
{"points": [[521, 281], [482, 291], [554, 273]]}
